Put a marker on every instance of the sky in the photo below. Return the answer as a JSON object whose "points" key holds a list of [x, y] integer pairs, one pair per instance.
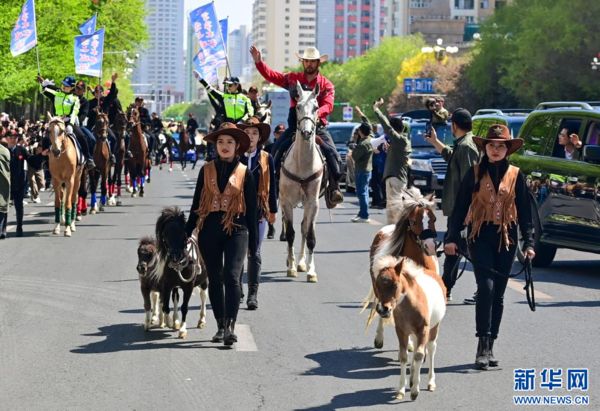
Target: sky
{"points": [[239, 11]]}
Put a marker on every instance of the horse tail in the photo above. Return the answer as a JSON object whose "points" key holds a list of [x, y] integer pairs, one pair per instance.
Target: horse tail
{"points": [[369, 300]]}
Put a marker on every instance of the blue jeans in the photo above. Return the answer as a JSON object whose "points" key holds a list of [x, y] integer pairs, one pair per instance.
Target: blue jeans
{"points": [[362, 192]]}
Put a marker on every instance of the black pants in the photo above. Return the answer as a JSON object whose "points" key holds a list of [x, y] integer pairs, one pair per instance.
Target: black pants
{"points": [[283, 143], [3, 222], [224, 256], [451, 267], [377, 186], [17, 197], [491, 285]]}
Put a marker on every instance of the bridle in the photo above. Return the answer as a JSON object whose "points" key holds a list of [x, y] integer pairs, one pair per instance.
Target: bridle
{"points": [[191, 256]]}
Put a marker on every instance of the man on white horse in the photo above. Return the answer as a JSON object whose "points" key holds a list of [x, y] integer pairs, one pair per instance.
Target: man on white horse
{"points": [[309, 78]]}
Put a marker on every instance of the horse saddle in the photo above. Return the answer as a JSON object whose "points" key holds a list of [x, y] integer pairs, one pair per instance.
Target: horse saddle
{"points": [[71, 135]]}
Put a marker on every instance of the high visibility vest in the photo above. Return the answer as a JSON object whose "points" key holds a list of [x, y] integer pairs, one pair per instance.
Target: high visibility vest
{"points": [[237, 106], [66, 104]]}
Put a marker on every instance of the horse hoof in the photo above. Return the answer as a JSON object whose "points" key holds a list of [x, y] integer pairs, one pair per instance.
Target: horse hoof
{"points": [[201, 324], [176, 325], [129, 189], [56, 231], [410, 347], [84, 212], [141, 194], [148, 180], [73, 228], [302, 267], [414, 395], [146, 326], [400, 395], [431, 387], [93, 211], [170, 169], [182, 335], [311, 278], [292, 273], [134, 195], [79, 217], [68, 232], [101, 208], [378, 343]]}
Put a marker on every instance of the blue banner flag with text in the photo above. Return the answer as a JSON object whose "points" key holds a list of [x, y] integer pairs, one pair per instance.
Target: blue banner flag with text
{"points": [[24, 36], [211, 53], [89, 51], [224, 23], [89, 27]]}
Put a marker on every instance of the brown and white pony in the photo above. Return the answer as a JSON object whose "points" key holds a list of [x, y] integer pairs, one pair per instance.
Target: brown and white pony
{"points": [[412, 236], [66, 174]]}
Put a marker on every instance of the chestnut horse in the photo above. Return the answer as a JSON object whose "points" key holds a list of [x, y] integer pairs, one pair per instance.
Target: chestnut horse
{"points": [[184, 145], [102, 169], [139, 149], [66, 174]]}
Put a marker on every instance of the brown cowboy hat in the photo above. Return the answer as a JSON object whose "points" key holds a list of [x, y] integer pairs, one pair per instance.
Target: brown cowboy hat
{"points": [[230, 129], [263, 128], [499, 132]]}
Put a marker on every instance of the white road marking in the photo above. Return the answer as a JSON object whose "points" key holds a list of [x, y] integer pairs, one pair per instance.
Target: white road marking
{"points": [[14, 227], [245, 338], [518, 285]]}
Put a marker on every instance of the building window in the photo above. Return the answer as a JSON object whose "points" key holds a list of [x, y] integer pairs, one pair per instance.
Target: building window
{"points": [[420, 4], [464, 4], [484, 4]]}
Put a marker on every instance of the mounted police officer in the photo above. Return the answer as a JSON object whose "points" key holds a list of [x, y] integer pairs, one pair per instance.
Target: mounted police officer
{"points": [[232, 105], [108, 104], [311, 60], [66, 105]]}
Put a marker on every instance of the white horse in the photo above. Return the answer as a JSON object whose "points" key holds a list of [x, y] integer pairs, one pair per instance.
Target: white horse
{"points": [[300, 182]]}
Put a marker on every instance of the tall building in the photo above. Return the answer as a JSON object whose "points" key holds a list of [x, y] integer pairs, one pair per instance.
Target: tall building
{"points": [[326, 27], [159, 73], [238, 52], [359, 25], [281, 28]]}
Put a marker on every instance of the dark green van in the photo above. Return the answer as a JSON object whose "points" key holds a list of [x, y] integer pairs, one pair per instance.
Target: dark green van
{"points": [[564, 184], [512, 118]]}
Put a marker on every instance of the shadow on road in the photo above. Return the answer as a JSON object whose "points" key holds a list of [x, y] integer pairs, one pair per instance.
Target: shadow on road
{"points": [[574, 273], [355, 399], [354, 363], [132, 337]]}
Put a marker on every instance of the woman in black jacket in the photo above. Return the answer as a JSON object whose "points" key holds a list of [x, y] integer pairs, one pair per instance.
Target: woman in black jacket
{"points": [[224, 212], [492, 201]]}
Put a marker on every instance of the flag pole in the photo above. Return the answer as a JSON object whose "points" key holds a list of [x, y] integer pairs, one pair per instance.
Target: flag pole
{"points": [[37, 57], [228, 69]]}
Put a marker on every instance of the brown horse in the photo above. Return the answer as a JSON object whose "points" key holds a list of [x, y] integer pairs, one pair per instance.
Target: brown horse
{"points": [[184, 145], [66, 174], [101, 156], [139, 149], [114, 184]]}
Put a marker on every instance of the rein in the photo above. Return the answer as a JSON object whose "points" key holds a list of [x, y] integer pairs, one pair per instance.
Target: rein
{"points": [[526, 269], [192, 246]]}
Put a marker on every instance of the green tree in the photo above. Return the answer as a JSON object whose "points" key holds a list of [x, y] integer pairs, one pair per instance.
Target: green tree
{"points": [[57, 24], [535, 50], [202, 111]]}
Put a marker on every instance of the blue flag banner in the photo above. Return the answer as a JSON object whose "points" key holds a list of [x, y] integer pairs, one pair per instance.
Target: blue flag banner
{"points": [[24, 36], [207, 70], [89, 51], [224, 23], [89, 27], [211, 51]]}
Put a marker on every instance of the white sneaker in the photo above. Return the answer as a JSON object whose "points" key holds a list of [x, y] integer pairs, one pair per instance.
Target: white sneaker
{"points": [[355, 219], [361, 220], [37, 200], [43, 189]]}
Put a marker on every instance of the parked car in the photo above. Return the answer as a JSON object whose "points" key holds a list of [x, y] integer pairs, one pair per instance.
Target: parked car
{"points": [[511, 118], [427, 168], [565, 192], [341, 133]]}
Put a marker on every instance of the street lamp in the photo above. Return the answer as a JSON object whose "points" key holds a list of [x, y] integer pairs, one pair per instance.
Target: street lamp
{"points": [[439, 50]]}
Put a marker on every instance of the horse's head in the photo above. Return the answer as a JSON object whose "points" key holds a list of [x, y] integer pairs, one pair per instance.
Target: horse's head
{"points": [[421, 222], [134, 117], [147, 255], [264, 113], [101, 126], [120, 125], [56, 133], [171, 236], [392, 279], [306, 111]]}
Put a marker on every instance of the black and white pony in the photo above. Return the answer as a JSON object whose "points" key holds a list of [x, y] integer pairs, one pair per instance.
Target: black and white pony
{"points": [[179, 266]]}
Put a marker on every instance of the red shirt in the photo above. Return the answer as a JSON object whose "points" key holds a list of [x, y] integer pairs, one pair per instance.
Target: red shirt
{"points": [[288, 82]]}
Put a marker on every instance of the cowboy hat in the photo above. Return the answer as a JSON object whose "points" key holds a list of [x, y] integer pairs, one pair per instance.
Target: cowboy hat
{"points": [[311, 53], [501, 133], [231, 130], [263, 128]]}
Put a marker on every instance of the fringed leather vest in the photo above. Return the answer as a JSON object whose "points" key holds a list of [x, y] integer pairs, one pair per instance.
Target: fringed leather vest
{"points": [[264, 182], [498, 208], [230, 201]]}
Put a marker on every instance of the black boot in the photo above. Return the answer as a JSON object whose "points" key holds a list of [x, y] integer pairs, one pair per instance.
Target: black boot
{"points": [[271, 232], [218, 337], [229, 337], [482, 360], [89, 164], [333, 194], [254, 267], [492, 361]]}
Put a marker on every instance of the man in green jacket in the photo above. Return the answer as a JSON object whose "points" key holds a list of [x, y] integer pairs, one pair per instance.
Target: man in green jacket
{"points": [[460, 158], [395, 172], [362, 155]]}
